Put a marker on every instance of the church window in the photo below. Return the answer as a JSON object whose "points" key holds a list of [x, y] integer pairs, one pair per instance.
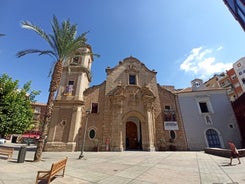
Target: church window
{"points": [[172, 134], [92, 134], [63, 123], [203, 107], [132, 79], [169, 114], [213, 138], [95, 108], [75, 61], [71, 83]]}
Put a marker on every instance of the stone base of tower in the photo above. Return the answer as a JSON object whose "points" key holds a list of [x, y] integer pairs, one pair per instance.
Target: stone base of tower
{"points": [[148, 148], [60, 146]]}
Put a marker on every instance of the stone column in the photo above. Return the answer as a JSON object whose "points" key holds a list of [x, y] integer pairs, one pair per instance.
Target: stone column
{"points": [[151, 124], [74, 126], [116, 140], [148, 99]]}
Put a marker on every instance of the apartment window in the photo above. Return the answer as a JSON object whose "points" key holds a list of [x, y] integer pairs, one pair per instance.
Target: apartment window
{"points": [[203, 107], [132, 79], [37, 110], [36, 116], [233, 77], [243, 80], [95, 108]]}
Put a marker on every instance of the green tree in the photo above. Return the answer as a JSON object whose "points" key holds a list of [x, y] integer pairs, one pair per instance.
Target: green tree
{"points": [[15, 106], [64, 46]]}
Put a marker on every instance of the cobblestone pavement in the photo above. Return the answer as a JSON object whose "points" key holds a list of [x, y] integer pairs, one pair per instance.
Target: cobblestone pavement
{"points": [[127, 168]]}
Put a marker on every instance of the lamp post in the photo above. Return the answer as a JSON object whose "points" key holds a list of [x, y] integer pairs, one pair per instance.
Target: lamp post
{"points": [[84, 134]]}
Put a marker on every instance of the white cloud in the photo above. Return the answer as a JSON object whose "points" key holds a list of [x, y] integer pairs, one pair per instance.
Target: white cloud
{"points": [[219, 48], [202, 63]]}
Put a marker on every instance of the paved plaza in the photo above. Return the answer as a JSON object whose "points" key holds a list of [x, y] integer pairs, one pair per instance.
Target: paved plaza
{"points": [[129, 167]]}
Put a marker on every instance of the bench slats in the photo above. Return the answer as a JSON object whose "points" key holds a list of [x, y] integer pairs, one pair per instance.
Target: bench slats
{"points": [[55, 168], [7, 151]]}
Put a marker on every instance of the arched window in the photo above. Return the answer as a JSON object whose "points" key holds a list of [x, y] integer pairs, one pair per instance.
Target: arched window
{"points": [[213, 138], [172, 134]]}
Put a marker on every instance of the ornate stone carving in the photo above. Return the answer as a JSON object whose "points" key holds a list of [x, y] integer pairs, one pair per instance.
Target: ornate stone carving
{"points": [[147, 97]]}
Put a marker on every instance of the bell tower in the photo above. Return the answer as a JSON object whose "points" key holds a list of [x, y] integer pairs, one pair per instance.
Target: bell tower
{"points": [[69, 103]]}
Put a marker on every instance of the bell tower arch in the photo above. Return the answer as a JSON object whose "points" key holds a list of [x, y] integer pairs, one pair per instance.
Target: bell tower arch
{"points": [[69, 103]]}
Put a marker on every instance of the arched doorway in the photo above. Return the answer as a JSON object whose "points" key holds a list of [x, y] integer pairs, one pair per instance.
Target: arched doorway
{"points": [[133, 136], [213, 138]]}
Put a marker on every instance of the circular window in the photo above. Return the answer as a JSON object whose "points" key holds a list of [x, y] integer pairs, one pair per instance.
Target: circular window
{"points": [[92, 134], [172, 134]]}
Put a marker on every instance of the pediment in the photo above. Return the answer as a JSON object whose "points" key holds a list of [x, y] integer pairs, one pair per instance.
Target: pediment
{"points": [[131, 64]]}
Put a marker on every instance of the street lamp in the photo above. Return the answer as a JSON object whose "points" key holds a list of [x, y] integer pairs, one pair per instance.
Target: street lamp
{"points": [[84, 134]]}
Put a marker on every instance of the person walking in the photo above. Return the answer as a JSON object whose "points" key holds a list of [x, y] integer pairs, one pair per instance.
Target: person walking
{"points": [[234, 152]]}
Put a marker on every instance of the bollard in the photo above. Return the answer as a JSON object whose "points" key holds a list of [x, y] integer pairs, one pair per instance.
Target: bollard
{"points": [[22, 154]]}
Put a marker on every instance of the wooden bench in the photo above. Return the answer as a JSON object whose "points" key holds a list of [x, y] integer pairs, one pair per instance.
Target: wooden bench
{"points": [[55, 168], [7, 151]]}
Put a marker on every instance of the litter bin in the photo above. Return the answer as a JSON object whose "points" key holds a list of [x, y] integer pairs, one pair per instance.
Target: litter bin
{"points": [[22, 154]]}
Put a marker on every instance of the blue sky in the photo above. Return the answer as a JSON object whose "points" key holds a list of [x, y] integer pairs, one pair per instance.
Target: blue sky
{"points": [[181, 40]]}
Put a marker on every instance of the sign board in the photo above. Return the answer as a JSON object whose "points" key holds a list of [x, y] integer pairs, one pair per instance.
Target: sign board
{"points": [[171, 125]]}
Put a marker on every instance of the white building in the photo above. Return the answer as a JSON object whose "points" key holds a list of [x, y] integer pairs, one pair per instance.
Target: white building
{"points": [[239, 68], [208, 117]]}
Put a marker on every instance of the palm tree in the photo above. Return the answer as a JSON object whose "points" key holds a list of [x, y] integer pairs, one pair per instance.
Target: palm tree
{"points": [[64, 46]]}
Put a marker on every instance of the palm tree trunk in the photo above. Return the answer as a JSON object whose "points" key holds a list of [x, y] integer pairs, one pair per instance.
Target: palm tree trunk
{"points": [[54, 84], [44, 131]]}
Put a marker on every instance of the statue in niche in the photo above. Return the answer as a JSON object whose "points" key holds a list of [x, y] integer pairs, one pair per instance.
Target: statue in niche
{"points": [[68, 90]]}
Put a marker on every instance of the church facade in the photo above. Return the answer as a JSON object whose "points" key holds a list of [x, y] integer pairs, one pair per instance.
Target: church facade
{"points": [[128, 111]]}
